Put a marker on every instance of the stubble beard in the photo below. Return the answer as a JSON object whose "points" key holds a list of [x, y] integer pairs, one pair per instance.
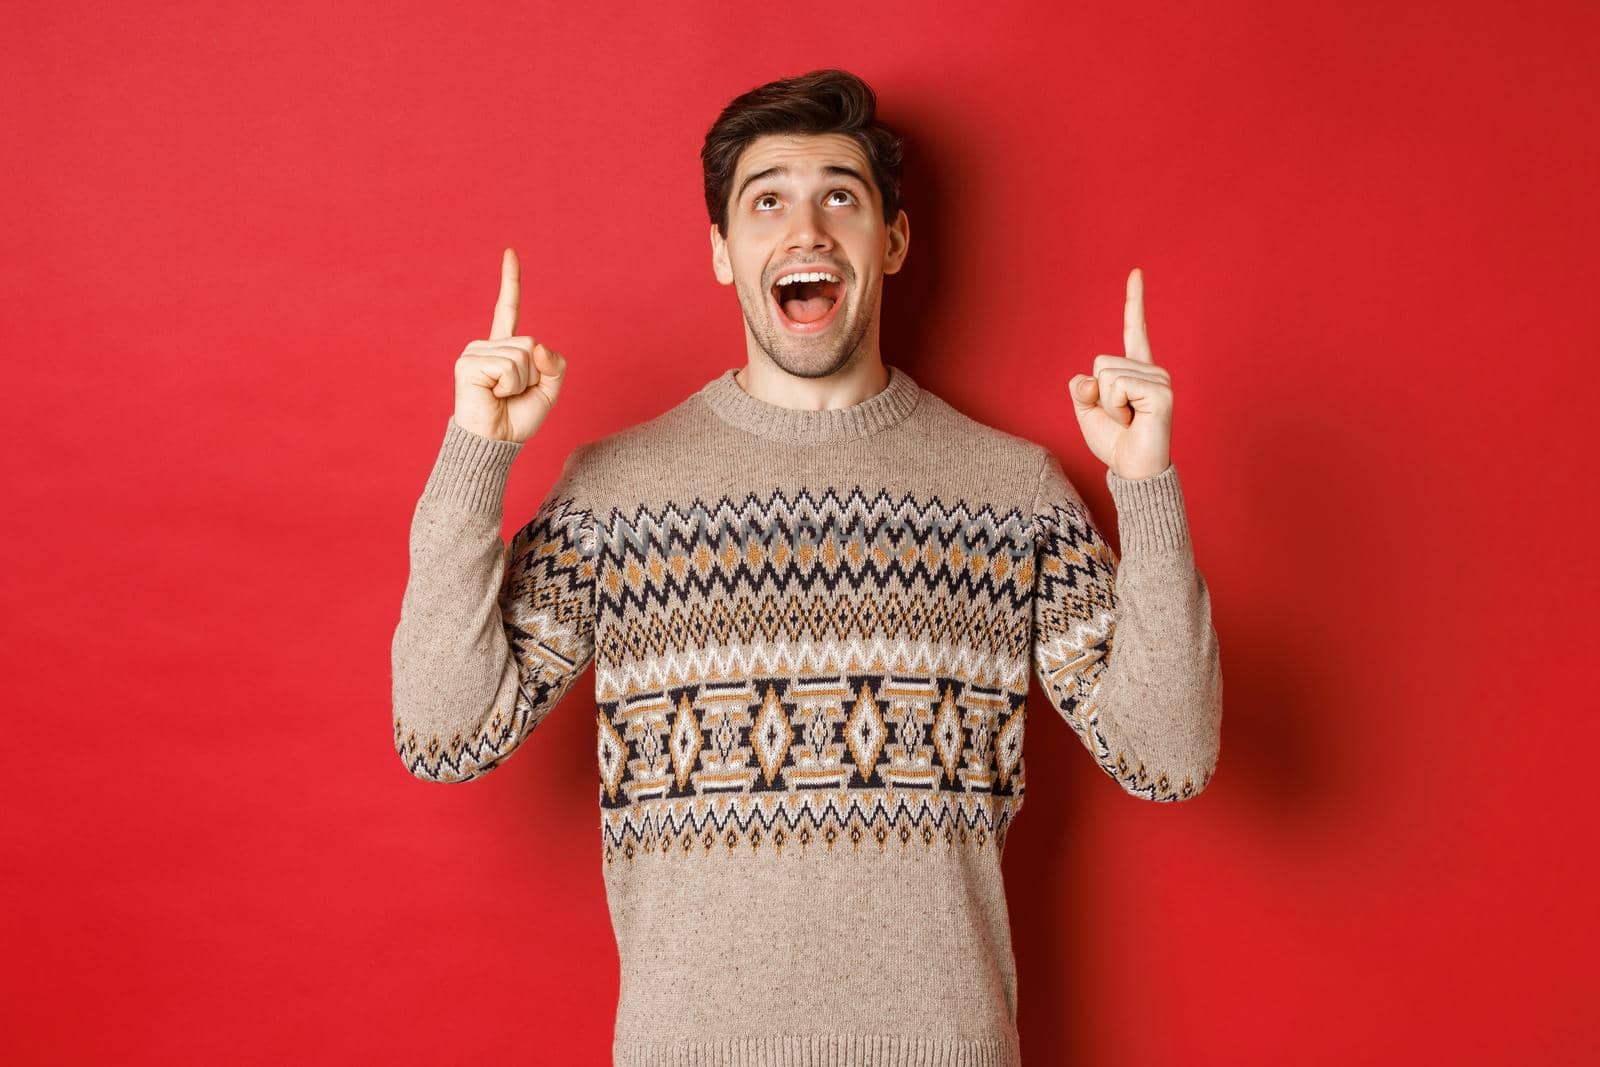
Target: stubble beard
{"points": [[806, 357]]}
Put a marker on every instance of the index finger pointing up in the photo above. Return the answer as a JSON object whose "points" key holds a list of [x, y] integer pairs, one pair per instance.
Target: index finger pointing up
{"points": [[1135, 342], [505, 309]]}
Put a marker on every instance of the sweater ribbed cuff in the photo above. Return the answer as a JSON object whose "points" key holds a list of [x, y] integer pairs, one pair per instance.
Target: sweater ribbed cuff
{"points": [[1150, 512], [471, 470]]}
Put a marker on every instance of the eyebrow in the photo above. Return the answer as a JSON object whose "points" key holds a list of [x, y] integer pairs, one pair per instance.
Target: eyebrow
{"points": [[831, 169]]}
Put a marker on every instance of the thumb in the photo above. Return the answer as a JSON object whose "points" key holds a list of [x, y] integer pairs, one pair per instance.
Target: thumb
{"points": [[552, 368], [1085, 392]]}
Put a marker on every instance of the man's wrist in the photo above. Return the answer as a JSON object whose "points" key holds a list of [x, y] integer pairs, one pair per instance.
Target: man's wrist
{"points": [[1151, 516], [471, 470]]}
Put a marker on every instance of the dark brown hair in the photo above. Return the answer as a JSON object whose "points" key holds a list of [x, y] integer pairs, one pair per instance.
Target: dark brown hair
{"points": [[823, 101]]}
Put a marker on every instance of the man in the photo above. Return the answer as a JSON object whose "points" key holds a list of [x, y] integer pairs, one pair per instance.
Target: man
{"points": [[813, 594]]}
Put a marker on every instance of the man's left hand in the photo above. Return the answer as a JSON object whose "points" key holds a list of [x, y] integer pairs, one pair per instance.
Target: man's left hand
{"points": [[1125, 407]]}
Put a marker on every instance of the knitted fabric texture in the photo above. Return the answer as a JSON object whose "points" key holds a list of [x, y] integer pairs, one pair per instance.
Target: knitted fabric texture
{"points": [[812, 635]]}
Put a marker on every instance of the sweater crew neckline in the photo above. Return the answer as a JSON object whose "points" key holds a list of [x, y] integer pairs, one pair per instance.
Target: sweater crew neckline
{"points": [[883, 409]]}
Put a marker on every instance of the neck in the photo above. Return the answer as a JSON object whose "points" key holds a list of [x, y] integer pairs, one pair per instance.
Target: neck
{"points": [[765, 380], [829, 419]]}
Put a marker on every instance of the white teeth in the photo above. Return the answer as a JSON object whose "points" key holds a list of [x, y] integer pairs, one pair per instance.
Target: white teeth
{"points": [[814, 276]]}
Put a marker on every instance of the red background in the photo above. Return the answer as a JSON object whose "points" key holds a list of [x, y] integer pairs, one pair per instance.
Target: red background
{"points": [[243, 245]]}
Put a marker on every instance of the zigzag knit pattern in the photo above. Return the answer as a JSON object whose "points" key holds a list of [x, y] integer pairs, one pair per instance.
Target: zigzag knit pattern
{"points": [[888, 652]]}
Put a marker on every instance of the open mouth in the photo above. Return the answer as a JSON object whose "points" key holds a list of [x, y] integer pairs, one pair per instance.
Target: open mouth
{"points": [[807, 302]]}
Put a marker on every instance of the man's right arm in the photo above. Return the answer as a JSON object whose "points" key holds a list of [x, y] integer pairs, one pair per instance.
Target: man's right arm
{"points": [[489, 638]]}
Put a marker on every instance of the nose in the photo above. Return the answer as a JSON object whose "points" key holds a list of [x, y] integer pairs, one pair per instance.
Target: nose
{"points": [[808, 229]]}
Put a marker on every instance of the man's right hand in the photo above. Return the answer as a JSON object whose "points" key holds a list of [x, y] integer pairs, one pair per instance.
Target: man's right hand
{"points": [[506, 385]]}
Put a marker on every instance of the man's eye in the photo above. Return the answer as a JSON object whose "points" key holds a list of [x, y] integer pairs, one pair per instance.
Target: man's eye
{"points": [[757, 202]]}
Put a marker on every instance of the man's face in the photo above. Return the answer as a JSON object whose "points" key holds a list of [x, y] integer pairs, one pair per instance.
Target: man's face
{"points": [[807, 201]]}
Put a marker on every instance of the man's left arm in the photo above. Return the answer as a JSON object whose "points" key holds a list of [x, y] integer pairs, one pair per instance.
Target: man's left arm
{"points": [[1126, 649]]}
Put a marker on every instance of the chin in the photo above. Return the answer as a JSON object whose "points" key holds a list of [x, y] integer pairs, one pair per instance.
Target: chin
{"points": [[809, 364]]}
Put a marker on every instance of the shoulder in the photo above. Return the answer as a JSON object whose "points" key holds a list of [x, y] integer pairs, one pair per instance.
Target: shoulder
{"points": [[1018, 460], [957, 424], [1028, 468], [612, 462]]}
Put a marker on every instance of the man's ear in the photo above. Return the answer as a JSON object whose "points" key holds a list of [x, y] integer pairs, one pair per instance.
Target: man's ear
{"points": [[899, 244], [719, 257]]}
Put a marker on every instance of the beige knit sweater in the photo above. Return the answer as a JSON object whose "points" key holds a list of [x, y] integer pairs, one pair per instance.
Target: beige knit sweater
{"points": [[812, 635]]}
